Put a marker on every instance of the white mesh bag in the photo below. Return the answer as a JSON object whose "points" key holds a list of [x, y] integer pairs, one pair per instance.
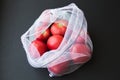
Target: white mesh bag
{"points": [[75, 49]]}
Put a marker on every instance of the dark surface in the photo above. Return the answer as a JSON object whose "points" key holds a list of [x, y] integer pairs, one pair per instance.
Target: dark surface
{"points": [[16, 16]]}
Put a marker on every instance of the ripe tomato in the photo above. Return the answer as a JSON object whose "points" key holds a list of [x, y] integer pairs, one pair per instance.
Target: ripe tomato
{"points": [[44, 36], [40, 46], [54, 41], [59, 27], [80, 39], [57, 68], [80, 53]]}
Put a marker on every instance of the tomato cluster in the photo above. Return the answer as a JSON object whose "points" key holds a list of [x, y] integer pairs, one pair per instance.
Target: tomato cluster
{"points": [[51, 39]]}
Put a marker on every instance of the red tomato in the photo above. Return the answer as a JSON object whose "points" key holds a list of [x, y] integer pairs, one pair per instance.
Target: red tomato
{"points": [[44, 36], [54, 41], [80, 39], [40, 46], [57, 68], [59, 27], [80, 53], [63, 22]]}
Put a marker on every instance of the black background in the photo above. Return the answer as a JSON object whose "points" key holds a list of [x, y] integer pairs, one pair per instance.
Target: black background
{"points": [[16, 16]]}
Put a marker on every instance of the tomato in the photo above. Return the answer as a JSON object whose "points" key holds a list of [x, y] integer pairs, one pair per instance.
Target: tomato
{"points": [[44, 36], [62, 21], [59, 27], [80, 39], [80, 53], [40, 46], [54, 41], [59, 66], [40, 34]]}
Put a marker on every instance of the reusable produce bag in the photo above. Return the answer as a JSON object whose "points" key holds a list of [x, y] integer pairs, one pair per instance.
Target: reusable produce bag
{"points": [[75, 49]]}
